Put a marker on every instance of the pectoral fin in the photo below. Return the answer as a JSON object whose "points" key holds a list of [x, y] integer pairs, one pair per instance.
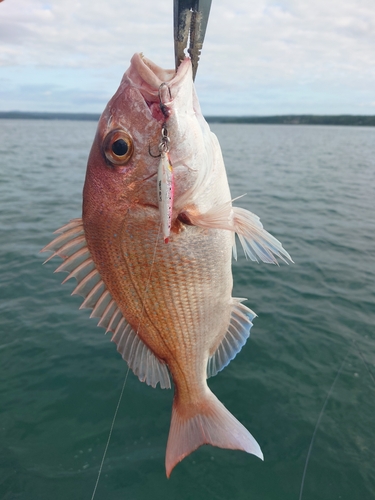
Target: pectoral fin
{"points": [[255, 240]]}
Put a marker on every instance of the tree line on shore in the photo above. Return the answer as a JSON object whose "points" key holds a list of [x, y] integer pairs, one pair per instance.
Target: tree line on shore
{"points": [[351, 120]]}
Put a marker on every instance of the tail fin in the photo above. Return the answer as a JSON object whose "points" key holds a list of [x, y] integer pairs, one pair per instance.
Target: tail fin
{"points": [[211, 424]]}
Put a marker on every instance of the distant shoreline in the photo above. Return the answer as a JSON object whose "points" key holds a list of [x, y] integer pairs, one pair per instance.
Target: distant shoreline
{"points": [[349, 120]]}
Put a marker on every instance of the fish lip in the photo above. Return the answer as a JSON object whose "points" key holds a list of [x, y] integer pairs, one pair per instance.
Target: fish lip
{"points": [[154, 75], [148, 79]]}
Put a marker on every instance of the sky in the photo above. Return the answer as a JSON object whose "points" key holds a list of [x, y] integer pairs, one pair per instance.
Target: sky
{"points": [[260, 57]]}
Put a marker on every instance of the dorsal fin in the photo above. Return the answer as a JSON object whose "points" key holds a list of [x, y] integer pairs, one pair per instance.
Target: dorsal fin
{"points": [[234, 339], [71, 246], [139, 357]]}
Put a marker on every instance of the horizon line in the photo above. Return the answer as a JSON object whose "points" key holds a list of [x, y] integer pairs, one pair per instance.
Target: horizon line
{"points": [[285, 119]]}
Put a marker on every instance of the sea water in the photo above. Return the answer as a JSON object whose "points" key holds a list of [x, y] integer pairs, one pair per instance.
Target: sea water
{"points": [[314, 338]]}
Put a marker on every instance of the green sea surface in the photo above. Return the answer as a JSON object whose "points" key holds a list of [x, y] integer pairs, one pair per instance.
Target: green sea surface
{"points": [[309, 359]]}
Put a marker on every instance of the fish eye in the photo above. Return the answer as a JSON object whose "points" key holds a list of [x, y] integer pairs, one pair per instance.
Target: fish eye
{"points": [[118, 147]]}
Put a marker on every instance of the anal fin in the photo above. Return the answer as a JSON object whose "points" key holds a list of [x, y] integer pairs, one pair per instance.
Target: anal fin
{"points": [[236, 336]]}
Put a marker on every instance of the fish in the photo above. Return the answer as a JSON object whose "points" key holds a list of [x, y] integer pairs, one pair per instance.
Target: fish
{"points": [[157, 269]]}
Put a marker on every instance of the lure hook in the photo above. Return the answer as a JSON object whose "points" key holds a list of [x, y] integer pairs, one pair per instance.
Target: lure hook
{"points": [[163, 106], [149, 152]]}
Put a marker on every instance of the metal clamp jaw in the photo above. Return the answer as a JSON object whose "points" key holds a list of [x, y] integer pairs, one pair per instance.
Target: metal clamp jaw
{"points": [[190, 24]]}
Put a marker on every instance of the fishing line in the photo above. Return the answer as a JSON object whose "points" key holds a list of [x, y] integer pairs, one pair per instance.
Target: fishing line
{"points": [[110, 435], [318, 421], [127, 372]]}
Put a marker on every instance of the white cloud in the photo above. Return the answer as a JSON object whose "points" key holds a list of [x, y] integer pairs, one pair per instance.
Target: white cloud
{"points": [[84, 34], [256, 54]]}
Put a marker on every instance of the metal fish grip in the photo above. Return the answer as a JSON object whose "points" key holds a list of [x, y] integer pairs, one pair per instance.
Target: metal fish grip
{"points": [[190, 24]]}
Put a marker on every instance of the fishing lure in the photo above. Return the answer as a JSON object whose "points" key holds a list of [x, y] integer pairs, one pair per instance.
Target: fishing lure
{"points": [[165, 181], [165, 194]]}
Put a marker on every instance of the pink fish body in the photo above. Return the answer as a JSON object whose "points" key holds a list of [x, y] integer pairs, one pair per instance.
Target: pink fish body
{"points": [[169, 306]]}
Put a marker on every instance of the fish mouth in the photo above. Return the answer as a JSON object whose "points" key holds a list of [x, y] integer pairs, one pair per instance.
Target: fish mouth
{"points": [[153, 75], [148, 77]]}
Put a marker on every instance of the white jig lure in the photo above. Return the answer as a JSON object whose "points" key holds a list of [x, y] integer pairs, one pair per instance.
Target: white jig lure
{"points": [[165, 194]]}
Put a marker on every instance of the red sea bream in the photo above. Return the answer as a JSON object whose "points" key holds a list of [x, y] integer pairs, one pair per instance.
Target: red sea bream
{"points": [[156, 268]]}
